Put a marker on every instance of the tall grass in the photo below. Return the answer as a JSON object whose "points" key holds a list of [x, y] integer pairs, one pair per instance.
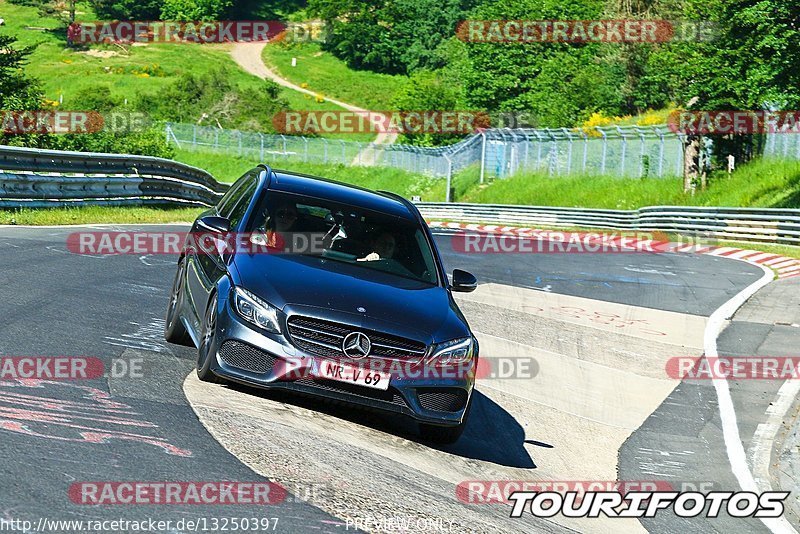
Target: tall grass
{"points": [[323, 73]]}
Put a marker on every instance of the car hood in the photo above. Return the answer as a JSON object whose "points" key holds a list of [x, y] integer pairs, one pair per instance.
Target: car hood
{"points": [[334, 290]]}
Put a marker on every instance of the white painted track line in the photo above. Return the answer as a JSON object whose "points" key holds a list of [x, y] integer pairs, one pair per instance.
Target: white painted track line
{"points": [[730, 426]]}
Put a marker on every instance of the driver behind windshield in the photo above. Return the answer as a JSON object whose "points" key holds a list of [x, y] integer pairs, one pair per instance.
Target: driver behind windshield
{"points": [[382, 245]]}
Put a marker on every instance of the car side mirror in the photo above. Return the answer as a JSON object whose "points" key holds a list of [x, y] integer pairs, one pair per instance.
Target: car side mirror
{"points": [[463, 281], [215, 225]]}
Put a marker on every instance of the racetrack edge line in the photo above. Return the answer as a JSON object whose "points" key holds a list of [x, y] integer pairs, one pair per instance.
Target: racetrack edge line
{"points": [[730, 427]]}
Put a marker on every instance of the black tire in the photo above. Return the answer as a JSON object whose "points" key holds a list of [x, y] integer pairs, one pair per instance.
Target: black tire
{"points": [[174, 331], [444, 435], [208, 342]]}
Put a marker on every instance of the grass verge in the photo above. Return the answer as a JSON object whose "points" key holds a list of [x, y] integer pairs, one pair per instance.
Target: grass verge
{"points": [[228, 168], [761, 183], [97, 215], [127, 71], [323, 73]]}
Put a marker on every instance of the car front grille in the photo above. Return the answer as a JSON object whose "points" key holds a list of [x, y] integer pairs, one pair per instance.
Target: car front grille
{"points": [[243, 356], [389, 395], [324, 338], [442, 400]]}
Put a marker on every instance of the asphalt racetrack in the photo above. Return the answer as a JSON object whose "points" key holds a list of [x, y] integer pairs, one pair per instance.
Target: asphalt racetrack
{"points": [[595, 402]]}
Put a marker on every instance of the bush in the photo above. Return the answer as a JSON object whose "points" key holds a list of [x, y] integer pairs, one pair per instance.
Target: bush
{"points": [[127, 9], [212, 99], [194, 10], [425, 91]]}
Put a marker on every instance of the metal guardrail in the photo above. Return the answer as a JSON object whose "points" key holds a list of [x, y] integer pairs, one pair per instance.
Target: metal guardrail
{"points": [[765, 225], [48, 178], [36, 178]]}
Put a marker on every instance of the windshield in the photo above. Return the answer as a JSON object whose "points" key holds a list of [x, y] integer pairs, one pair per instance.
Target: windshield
{"points": [[316, 227]]}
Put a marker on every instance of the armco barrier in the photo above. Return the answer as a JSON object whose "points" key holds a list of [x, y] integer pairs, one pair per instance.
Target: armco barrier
{"points": [[764, 225], [35, 178], [45, 178]]}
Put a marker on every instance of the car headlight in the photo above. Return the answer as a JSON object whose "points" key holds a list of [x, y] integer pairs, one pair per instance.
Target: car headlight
{"points": [[254, 310], [453, 352]]}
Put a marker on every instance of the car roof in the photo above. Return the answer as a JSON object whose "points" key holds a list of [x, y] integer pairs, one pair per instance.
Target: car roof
{"points": [[313, 186]]}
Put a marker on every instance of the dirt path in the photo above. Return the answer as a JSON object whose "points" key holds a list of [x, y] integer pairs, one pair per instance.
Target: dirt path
{"points": [[248, 56]]}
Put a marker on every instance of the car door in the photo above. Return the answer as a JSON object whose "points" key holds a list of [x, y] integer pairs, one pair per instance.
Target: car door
{"points": [[206, 264]]}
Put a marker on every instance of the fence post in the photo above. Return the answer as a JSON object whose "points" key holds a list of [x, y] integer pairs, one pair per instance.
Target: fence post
{"points": [[585, 149], [660, 152], [569, 149], [797, 147], [513, 157], [261, 151], [785, 145], [283, 137], [325, 144], [624, 150], [194, 135], [449, 194], [483, 153], [605, 151], [305, 149], [552, 156], [344, 156], [641, 152], [538, 149], [527, 147]]}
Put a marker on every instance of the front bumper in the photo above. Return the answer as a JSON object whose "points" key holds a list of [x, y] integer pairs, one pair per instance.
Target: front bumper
{"points": [[270, 361]]}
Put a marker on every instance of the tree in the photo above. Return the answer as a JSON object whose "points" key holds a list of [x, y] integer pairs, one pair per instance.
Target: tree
{"points": [[561, 83], [429, 91], [127, 9], [389, 36], [195, 10], [17, 91]]}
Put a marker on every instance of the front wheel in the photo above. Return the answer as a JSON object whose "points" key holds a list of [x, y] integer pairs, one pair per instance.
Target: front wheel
{"points": [[174, 331], [208, 342]]}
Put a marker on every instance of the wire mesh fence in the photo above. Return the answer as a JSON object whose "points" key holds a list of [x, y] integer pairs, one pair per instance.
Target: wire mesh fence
{"points": [[621, 151], [783, 145], [631, 151]]}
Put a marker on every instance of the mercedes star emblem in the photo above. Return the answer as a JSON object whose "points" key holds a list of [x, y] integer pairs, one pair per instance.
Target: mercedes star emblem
{"points": [[356, 345]]}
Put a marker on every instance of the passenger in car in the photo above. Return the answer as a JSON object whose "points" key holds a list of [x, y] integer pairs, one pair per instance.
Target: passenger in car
{"points": [[278, 225]]}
